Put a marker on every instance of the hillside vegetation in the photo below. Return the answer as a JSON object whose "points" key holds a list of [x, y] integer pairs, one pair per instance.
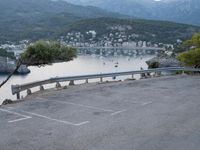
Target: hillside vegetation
{"points": [[154, 31], [192, 56], [35, 19], [4, 53], [48, 19], [183, 11]]}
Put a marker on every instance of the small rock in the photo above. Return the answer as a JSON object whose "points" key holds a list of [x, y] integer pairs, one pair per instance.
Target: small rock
{"points": [[160, 62], [65, 87], [9, 66], [7, 101], [23, 70]]}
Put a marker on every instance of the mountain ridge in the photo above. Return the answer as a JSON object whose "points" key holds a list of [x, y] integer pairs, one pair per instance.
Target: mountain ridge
{"points": [[21, 19], [45, 19], [186, 11]]}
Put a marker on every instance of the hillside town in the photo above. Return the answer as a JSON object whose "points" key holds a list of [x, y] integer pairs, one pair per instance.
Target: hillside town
{"points": [[91, 39], [116, 39]]}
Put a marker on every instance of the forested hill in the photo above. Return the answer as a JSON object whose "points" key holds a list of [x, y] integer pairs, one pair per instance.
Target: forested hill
{"points": [[35, 19], [184, 11], [39, 19], [155, 31]]}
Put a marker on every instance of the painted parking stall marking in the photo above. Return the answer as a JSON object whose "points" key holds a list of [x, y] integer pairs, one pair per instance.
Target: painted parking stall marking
{"points": [[57, 120], [79, 105], [21, 113], [113, 112], [118, 112], [24, 117]]}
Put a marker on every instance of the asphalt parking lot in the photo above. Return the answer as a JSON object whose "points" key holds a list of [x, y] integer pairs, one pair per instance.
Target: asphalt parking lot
{"points": [[151, 114]]}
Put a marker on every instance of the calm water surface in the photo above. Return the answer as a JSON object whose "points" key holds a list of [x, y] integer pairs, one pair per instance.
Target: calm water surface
{"points": [[80, 66]]}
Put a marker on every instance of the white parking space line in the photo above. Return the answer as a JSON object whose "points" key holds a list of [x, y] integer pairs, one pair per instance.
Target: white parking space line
{"points": [[146, 103], [79, 105], [57, 120], [12, 112], [19, 119], [17, 114], [10, 108], [117, 112], [86, 106], [82, 123]]}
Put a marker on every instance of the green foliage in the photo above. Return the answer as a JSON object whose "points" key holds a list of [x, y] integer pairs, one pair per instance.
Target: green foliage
{"points": [[44, 52], [195, 41], [41, 19], [181, 48], [192, 57], [148, 30], [4, 53], [154, 65]]}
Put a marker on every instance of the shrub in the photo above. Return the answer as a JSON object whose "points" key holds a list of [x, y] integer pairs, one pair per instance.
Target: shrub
{"points": [[192, 56]]}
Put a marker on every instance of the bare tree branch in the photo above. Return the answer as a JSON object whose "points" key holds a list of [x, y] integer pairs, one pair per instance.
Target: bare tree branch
{"points": [[43, 53], [19, 62]]}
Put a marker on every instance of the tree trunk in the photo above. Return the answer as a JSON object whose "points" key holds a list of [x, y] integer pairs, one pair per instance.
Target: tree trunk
{"points": [[19, 62]]}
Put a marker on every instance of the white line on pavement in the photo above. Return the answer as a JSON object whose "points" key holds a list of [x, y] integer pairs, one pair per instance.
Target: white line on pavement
{"points": [[12, 112], [17, 114], [146, 103], [80, 105], [117, 112], [19, 119], [86, 106], [57, 120], [82, 123], [10, 108]]}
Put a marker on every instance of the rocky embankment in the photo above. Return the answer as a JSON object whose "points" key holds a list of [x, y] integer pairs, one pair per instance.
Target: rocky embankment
{"points": [[163, 61], [9, 66]]}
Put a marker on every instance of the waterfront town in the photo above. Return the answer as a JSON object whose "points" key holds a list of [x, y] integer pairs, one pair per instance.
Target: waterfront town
{"points": [[90, 40]]}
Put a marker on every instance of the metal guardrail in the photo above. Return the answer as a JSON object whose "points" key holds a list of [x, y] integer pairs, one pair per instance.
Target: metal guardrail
{"points": [[16, 89]]}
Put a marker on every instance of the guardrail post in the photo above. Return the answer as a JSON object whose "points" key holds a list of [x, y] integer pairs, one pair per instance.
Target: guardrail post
{"points": [[101, 79], [58, 85], [29, 92], [18, 95], [157, 73], [41, 88], [142, 75], [133, 77], [148, 74], [71, 83], [86, 81]]}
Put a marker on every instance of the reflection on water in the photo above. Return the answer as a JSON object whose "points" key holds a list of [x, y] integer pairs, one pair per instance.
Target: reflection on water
{"points": [[80, 66]]}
